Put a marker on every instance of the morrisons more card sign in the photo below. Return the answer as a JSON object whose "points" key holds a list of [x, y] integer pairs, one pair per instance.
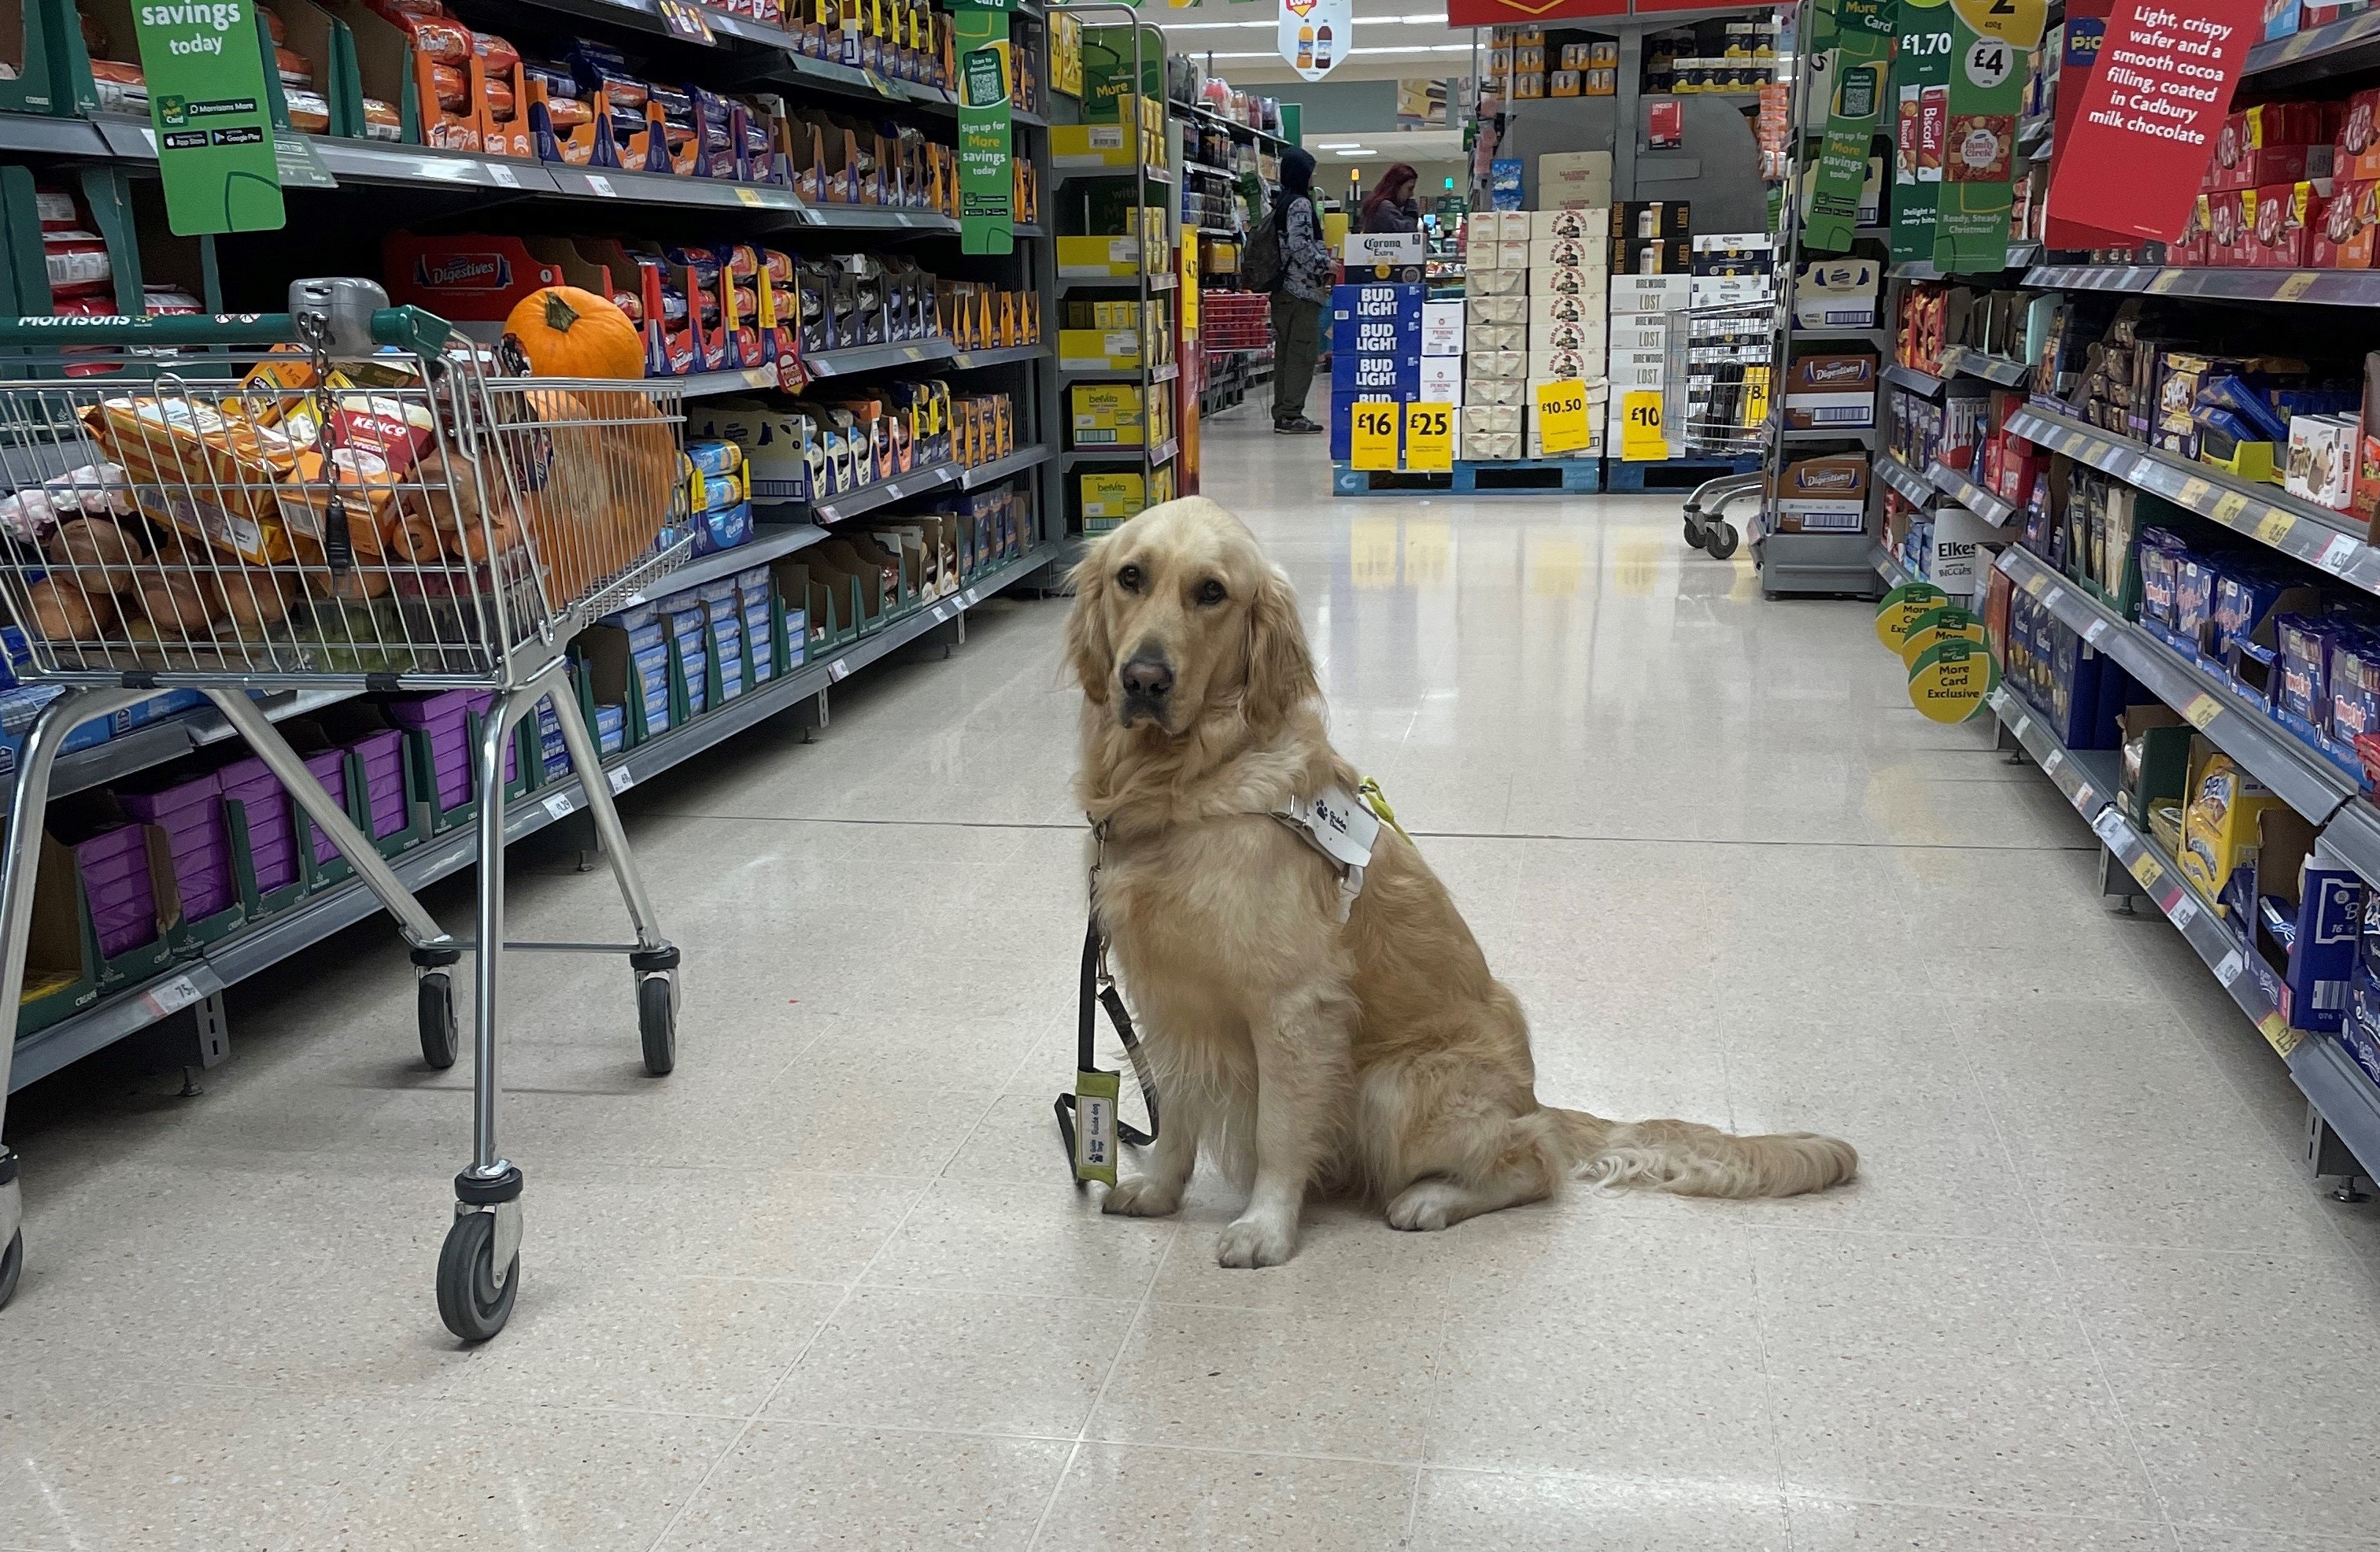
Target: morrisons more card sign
{"points": [[204, 64]]}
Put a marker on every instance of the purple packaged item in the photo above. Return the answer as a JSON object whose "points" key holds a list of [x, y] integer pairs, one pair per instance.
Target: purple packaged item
{"points": [[115, 869], [329, 767], [431, 712], [251, 785], [381, 755], [190, 813]]}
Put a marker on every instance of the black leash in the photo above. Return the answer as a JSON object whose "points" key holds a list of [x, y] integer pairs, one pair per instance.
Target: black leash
{"points": [[1091, 1149]]}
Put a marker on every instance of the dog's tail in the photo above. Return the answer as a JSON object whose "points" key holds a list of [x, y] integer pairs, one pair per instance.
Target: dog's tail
{"points": [[1693, 1160]]}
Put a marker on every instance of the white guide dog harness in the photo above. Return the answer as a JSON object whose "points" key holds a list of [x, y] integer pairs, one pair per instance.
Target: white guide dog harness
{"points": [[1340, 826]]}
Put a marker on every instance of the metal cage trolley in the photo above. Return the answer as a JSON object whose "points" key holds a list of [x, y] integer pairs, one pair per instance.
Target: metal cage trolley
{"points": [[348, 497], [1729, 372]]}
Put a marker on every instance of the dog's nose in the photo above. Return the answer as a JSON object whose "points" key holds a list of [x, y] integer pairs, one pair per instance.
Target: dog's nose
{"points": [[1147, 678]]}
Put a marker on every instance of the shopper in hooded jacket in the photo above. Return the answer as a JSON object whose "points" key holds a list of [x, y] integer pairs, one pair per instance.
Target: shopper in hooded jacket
{"points": [[1303, 293], [1390, 207]]}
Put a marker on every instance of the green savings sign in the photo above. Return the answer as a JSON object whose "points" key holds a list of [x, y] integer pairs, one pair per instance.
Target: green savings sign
{"points": [[987, 178], [205, 69]]}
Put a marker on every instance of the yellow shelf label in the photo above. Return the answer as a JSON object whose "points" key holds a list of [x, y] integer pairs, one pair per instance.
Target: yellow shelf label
{"points": [[2273, 527], [2277, 1033], [2144, 868], [2203, 708], [2229, 505], [1372, 439], [2193, 490], [1429, 437], [2297, 286]]}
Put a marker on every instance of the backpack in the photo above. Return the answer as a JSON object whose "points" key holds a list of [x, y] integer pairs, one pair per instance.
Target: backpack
{"points": [[1260, 261]]}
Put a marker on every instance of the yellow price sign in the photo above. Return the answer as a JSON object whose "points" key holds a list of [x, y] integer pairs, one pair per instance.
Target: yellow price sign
{"points": [[1755, 396], [2203, 708], [2193, 490], [2277, 1033], [1429, 437], [2273, 527], [1642, 438], [2297, 286], [2229, 505], [2144, 868], [2165, 280], [1561, 417], [1372, 434]]}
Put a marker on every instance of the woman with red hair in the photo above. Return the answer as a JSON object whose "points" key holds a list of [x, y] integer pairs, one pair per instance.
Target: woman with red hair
{"points": [[1390, 207]]}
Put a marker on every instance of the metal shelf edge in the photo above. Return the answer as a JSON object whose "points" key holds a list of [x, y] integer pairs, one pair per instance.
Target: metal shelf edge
{"points": [[2297, 529]]}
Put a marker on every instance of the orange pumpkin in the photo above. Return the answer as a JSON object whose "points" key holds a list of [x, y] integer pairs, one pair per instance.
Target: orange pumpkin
{"points": [[565, 331], [607, 488]]}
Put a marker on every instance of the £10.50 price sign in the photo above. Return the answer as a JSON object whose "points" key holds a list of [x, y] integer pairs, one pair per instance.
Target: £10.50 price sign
{"points": [[1561, 417], [1430, 438], [1372, 434]]}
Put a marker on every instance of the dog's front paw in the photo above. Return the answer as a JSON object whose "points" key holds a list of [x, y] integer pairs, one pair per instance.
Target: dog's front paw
{"points": [[1256, 1241], [1141, 1197]]}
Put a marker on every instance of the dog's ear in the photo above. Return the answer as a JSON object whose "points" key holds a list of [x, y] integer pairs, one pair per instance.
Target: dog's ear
{"points": [[1091, 657], [1280, 668]]}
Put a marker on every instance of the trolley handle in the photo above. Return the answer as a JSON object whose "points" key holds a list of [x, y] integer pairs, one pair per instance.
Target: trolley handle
{"points": [[408, 328]]}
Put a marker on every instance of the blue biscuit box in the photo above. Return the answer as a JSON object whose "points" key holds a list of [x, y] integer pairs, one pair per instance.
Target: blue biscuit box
{"points": [[1376, 319]]}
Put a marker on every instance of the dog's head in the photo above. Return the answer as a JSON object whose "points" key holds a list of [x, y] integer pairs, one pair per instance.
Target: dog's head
{"points": [[1178, 616]]}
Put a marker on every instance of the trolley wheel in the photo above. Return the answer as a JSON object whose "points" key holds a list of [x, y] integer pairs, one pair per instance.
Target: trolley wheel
{"points": [[469, 1301], [1694, 533], [1721, 540], [12, 1266], [656, 1022], [434, 998]]}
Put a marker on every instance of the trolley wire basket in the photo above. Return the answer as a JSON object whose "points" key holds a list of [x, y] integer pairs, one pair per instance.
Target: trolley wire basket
{"points": [[1730, 368], [348, 496]]}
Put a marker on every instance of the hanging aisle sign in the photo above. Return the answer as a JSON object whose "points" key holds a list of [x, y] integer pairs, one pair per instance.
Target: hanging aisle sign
{"points": [[1921, 90], [1315, 35], [205, 65], [987, 171], [2145, 128], [1863, 53], [1990, 43]]}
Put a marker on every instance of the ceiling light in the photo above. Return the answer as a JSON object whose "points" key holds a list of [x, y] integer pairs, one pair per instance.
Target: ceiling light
{"points": [[1335, 145], [1358, 151]]}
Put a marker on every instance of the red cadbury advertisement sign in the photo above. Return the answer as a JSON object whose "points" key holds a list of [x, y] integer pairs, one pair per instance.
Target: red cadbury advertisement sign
{"points": [[2130, 165]]}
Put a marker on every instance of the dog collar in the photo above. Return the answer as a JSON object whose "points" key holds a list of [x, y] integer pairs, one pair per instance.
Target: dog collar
{"points": [[1339, 825]]}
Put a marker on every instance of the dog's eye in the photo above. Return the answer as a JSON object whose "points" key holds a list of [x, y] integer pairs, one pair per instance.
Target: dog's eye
{"points": [[1129, 580], [1211, 591]]}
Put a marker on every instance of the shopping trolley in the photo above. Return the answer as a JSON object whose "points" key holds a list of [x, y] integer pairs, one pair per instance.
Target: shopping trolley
{"points": [[1729, 362], [345, 497]]}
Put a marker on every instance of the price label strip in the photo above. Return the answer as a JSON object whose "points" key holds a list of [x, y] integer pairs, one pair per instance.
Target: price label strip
{"points": [[1372, 435]]}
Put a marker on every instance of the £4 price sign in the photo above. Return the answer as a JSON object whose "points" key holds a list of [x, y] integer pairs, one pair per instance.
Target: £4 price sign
{"points": [[1561, 417], [1372, 440], [1429, 437]]}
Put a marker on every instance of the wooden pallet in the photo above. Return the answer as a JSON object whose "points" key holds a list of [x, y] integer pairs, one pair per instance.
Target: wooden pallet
{"points": [[1675, 474], [1520, 477]]}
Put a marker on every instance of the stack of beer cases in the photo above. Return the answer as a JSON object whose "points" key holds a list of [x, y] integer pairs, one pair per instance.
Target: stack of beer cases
{"points": [[1652, 287], [1496, 346], [1441, 352], [1374, 352], [1570, 283], [1732, 270]]}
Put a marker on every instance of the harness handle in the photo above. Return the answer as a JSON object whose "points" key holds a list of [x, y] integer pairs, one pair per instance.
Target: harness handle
{"points": [[1099, 991]]}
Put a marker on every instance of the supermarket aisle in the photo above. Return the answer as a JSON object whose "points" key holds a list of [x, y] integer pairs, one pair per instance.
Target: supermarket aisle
{"points": [[827, 1286]]}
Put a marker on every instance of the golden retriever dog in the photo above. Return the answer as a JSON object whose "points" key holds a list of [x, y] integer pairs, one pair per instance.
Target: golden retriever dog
{"points": [[1374, 1055]]}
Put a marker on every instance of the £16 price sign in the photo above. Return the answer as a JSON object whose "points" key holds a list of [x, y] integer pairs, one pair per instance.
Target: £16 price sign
{"points": [[1372, 443], [1561, 417], [1429, 437]]}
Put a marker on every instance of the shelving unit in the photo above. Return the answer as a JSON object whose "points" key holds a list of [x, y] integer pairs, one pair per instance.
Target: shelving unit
{"points": [[367, 186], [1156, 277]]}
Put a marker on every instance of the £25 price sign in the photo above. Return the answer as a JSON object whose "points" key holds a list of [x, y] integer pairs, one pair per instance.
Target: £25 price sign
{"points": [[1561, 417], [1429, 437], [1372, 439]]}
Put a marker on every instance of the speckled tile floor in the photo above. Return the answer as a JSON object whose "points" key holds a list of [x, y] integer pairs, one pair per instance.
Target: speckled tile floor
{"points": [[827, 1285]]}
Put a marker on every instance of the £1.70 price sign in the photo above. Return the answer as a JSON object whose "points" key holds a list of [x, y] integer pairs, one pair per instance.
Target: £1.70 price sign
{"points": [[1561, 417], [1430, 438], [1372, 440]]}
